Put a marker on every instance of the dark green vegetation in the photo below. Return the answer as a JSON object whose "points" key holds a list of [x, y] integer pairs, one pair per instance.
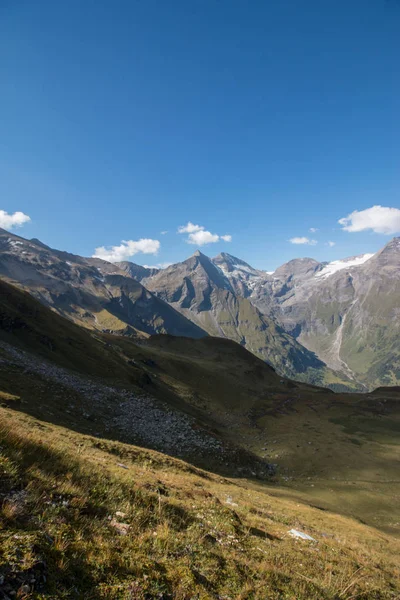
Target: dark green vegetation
{"points": [[87, 516]]}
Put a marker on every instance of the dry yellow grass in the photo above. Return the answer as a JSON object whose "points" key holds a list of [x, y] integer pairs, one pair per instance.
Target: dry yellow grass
{"points": [[157, 527]]}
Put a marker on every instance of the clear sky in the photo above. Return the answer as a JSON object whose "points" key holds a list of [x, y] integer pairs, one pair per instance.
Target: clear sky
{"points": [[256, 120]]}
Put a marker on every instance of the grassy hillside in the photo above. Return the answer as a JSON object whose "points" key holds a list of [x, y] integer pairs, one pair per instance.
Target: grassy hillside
{"points": [[86, 518], [228, 393], [340, 451]]}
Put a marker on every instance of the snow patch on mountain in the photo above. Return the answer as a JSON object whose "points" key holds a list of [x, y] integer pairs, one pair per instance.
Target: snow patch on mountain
{"points": [[337, 265], [14, 242]]}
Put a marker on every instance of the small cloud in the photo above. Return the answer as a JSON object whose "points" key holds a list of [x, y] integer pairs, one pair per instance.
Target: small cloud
{"points": [[163, 232], [303, 240], [17, 219], [199, 236], [380, 219], [127, 249], [331, 244], [313, 229], [190, 228]]}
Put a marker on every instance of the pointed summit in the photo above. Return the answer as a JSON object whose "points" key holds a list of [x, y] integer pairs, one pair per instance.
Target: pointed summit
{"points": [[39, 243], [389, 256], [392, 246], [230, 263], [198, 253], [198, 256]]}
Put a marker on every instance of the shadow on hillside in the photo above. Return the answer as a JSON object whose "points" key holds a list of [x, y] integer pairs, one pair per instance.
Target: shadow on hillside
{"points": [[43, 399]]}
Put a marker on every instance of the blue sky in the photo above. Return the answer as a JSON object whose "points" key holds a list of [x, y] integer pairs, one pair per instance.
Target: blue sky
{"points": [[256, 120]]}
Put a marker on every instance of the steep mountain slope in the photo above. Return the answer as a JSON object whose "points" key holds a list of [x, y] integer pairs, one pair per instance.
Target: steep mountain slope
{"points": [[89, 291], [199, 289], [371, 331], [346, 312]]}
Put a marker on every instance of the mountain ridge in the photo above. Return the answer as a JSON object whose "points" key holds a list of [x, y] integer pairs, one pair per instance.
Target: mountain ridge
{"points": [[201, 292], [308, 319], [88, 290]]}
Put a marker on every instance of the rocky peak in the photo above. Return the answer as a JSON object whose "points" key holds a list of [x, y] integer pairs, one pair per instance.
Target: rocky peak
{"points": [[390, 254], [138, 272], [229, 263], [200, 265], [40, 244], [198, 254], [298, 268]]}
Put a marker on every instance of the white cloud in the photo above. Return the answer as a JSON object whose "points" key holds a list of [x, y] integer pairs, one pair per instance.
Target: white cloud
{"points": [[163, 232], [127, 249], [380, 219], [303, 240], [199, 236], [190, 228], [8, 221], [313, 229], [331, 244]]}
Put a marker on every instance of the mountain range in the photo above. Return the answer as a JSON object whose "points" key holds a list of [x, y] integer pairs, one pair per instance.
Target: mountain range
{"points": [[176, 466], [334, 324]]}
